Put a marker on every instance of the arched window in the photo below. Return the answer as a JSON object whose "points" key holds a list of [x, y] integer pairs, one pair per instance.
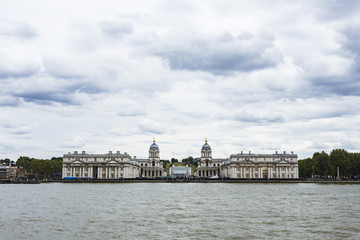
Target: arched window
{"points": [[153, 163]]}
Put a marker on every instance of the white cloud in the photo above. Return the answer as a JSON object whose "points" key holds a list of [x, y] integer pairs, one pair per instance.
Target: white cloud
{"points": [[249, 75]]}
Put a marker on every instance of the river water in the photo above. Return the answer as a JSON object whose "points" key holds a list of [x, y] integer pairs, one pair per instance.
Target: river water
{"points": [[179, 211]]}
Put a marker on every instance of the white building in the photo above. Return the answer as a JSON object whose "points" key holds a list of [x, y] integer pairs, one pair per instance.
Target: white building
{"points": [[112, 165], [180, 171], [237, 166], [248, 165]]}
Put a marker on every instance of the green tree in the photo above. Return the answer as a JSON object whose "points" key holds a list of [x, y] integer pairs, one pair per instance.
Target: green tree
{"points": [[174, 160], [340, 158], [306, 167], [321, 163], [355, 164]]}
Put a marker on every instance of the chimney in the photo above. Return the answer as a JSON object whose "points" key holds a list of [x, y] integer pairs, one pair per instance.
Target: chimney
{"points": [[110, 152], [75, 152], [83, 152], [118, 152], [284, 152]]}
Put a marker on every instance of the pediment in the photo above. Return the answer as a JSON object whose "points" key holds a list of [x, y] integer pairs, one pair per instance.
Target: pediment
{"points": [[77, 162], [112, 162], [283, 161]]}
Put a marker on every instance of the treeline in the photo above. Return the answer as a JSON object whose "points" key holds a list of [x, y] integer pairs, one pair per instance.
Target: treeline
{"points": [[325, 165], [41, 168], [7, 162]]}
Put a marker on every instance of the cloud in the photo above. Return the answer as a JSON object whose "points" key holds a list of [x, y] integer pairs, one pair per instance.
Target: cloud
{"points": [[6, 101], [131, 112], [115, 29], [17, 67], [18, 129], [18, 30], [46, 97], [75, 142], [150, 126], [221, 54], [256, 119]]}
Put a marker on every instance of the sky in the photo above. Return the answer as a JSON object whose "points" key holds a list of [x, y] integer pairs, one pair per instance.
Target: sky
{"points": [[99, 76]]}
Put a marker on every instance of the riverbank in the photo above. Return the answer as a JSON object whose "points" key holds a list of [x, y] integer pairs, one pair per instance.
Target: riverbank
{"points": [[269, 181]]}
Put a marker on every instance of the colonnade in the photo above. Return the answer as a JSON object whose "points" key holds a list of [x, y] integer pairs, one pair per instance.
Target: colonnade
{"points": [[207, 173], [260, 172], [152, 173], [107, 172]]}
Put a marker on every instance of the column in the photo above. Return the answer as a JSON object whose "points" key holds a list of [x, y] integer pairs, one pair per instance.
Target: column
{"points": [[106, 172], [269, 172], [116, 172], [63, 172], [286, 172]]}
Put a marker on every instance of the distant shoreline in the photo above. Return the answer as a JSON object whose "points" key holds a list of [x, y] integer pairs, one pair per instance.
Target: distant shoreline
{"points": [[7, 181]]}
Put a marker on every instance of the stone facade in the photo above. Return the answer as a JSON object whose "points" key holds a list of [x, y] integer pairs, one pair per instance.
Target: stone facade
{"points": [[237, 166], [112, 165], [248, 165]]}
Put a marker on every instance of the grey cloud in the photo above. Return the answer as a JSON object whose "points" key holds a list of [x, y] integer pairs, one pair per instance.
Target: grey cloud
{"points": [[348, 84], [18, 30], [45, 98], [253, 118], [148, 126], [221, 54], [18, 129], [131, 112], [115, 29], [7, 101], [339, 85], [15, 69], [334, 10]]}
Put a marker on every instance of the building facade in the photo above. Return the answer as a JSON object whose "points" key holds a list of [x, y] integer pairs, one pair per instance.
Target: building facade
{"points": [[112, 165], [7, 172], [248, 165], [237, 166]]}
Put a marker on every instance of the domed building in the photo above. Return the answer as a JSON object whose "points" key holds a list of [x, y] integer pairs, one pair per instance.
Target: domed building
{"points": [[152, 167], [208, 167]]}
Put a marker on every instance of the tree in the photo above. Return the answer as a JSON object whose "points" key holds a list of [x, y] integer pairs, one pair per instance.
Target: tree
{"points": [[340, 158], [306, 167], [321, 164], [355, 164], [174, 160], [190, 161], [165, 162]]}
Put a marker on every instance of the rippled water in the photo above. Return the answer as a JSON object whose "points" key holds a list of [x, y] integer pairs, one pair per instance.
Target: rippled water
{"points": [[179, 211]]}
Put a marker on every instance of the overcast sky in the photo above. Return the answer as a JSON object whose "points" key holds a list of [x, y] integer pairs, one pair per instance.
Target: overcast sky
{"points": [[259, 76]]}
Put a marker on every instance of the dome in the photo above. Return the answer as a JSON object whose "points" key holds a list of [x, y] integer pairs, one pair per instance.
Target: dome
{"points": [[154, 146], [206, 146]]}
